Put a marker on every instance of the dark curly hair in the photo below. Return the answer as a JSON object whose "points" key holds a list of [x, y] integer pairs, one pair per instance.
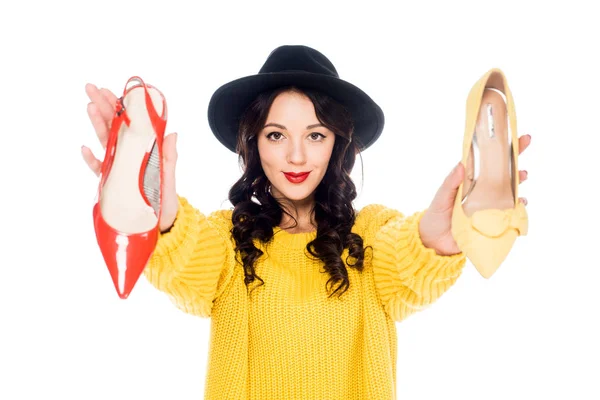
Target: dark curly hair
{"points": [[256, 211]]}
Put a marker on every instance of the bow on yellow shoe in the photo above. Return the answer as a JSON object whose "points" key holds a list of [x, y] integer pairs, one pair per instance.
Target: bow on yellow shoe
{"points": [[494, 223]]}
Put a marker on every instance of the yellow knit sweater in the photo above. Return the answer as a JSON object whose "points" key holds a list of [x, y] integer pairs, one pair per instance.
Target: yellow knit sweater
{"points": [[288, 340]]}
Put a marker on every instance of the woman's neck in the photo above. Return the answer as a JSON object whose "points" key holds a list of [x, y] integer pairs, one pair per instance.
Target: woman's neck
{"points": [[303, 213]]}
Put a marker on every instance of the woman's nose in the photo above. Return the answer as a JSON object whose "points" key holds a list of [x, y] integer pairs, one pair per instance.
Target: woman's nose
{"points": [[296, 153]]}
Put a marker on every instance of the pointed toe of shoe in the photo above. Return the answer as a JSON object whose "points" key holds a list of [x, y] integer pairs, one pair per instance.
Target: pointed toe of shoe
{"points": [[125, 255], [487, 254]]}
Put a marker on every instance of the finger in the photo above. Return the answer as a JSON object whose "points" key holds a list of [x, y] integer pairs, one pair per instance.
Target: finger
{"points": [[92, 162], [104, 106], [170, 148], [99, 123], [524, 142], [522, 176], [444, 198], [523, 200], [110, 97], [170, 160], [454, 178]]}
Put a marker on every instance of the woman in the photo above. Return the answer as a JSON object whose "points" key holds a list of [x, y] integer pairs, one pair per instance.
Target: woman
{"points": [[303, 291]]}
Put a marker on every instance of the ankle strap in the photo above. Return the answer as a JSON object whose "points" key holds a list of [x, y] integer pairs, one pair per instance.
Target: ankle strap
{"points": [[158, 122]]}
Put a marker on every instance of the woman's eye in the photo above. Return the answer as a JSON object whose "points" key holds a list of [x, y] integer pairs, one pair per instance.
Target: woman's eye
{"points": [[275, 136]]}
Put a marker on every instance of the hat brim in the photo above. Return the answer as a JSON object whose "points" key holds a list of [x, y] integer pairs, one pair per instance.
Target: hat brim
{"points": [[229, 102]]}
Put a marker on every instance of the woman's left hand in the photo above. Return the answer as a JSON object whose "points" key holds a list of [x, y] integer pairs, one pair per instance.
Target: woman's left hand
{"points": [[435, 226]]}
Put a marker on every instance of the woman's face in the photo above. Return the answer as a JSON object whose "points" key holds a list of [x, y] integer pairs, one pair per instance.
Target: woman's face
{"points": [[294, 142]]}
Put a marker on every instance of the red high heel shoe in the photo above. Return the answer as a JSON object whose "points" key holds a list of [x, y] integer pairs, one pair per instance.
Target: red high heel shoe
{"points": [[129, 198]]}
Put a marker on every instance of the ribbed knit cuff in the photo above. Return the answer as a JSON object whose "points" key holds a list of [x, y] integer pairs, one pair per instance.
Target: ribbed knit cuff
{"points": [[439, 266], [402, 261], [184, 230]]}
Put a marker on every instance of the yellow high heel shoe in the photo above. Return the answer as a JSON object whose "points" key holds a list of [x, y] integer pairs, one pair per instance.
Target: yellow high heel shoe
{"points": [[488, 218]]}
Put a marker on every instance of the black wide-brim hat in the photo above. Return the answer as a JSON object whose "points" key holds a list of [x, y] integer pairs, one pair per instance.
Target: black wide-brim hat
{"points": [[299, 66]]}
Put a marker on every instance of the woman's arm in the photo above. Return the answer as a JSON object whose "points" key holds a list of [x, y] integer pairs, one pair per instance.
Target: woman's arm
{"points": [[193, 261], [408, 276]]}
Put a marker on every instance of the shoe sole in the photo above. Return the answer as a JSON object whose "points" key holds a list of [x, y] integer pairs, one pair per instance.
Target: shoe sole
{"points": [[490, 163]]}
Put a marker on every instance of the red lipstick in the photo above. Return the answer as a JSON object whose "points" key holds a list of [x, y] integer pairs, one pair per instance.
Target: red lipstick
{"points": [[296, 177]]}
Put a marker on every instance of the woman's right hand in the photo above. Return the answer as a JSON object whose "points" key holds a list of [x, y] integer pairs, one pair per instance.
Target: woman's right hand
{"points": [[100, 111]]}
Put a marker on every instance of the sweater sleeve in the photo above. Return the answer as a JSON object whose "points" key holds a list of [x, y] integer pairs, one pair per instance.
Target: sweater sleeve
{"points": [[193, 262], [408, 276]]}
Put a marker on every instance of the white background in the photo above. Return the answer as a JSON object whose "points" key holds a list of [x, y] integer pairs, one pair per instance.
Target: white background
{"points": [[531, 331]]}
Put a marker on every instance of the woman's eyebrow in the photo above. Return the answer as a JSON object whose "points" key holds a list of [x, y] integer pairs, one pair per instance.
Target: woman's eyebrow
{"points": [[275, 125], [284, 128]]}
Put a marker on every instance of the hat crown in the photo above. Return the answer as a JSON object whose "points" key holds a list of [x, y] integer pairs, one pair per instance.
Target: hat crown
{"points": [[298, 58]]}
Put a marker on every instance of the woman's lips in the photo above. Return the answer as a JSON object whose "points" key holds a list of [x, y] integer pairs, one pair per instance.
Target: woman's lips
{"points": [[296, 178]]}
